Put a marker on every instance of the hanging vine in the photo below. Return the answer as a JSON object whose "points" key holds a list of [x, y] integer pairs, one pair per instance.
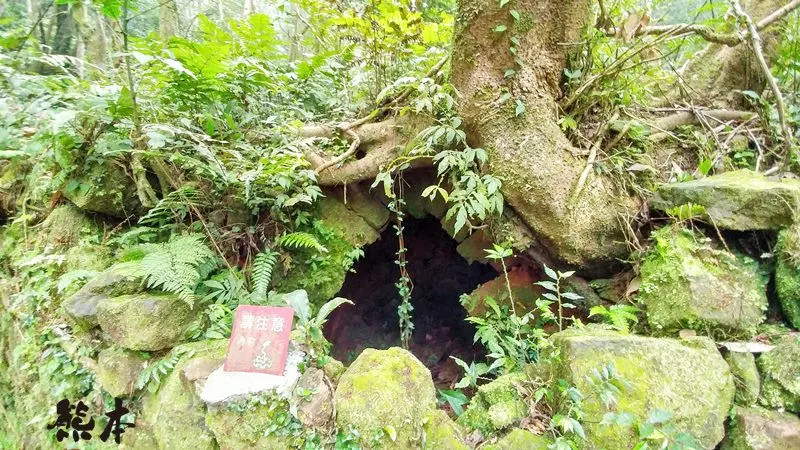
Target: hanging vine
{"points": [[404, 284]]}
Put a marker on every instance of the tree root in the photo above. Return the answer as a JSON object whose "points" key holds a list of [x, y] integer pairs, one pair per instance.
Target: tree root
{"points": [[691, 117], [381, 143]]}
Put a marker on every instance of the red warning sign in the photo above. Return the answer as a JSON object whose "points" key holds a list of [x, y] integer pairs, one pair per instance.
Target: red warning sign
{"points": [[259, 339]]}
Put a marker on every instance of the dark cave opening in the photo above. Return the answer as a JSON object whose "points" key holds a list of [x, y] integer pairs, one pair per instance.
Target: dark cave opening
{"points": [[440, 275]]}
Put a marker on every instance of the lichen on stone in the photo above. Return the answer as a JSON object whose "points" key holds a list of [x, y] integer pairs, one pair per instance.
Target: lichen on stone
{"points": [[746, 377], [175, 412], [147, 322], [687, 378], [762, 429], [519, 439], [385, 389], [787, 274], [780, 372], [687, 283], [497, 405]]}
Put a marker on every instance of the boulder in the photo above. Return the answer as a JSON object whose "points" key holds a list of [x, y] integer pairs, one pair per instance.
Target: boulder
{"points": [[787, 274], [761, 429], [11, 187], [64, 228], [737, 200], [140, 437], [82, 305], [745, 376], [389, 391], [358, 200], [321, 279], [224, 387], [148, 322], [175, 412], [104, 188], [93, 258], [442, 433], [497, 405], [118, 370], [687, 283], [333, 369], [687, 378], [352, 227], [519, 439], [522, 281], [313, 399], [780, 372], [260, 422]]}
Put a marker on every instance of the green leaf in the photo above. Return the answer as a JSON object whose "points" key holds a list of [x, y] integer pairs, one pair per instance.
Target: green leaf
{"points": [[515, 14], [456, 399], [658, 416], [504, 2], [326, 309], [391, 432], [519, 109], [500, 28]]}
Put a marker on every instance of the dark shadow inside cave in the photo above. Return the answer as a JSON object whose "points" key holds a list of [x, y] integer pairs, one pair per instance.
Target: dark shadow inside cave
{"points": [[440, 275]]}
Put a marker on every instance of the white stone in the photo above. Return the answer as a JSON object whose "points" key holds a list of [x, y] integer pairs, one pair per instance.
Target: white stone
{"points": [[222, 386], [747, 347]]}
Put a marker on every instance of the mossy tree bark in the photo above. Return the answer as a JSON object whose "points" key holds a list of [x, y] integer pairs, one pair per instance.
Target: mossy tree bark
{"points": [[717, 75], [539, 166]]}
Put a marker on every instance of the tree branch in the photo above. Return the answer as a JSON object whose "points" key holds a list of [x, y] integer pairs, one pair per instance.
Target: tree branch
{"points": [[708, 33], [690, 117], [755, 40]]}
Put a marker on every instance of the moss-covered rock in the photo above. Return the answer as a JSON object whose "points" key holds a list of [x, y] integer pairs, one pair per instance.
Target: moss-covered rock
{"points": [[787, 274], [780, 371], [346, 223], [139, 438], [10, 187], [359, 200], [442, 433], [104, 188], [519, 439], [745, 376], [497, 405], [147, 322], [258, 422], [175, 412], [321, 276], [93, 258], [761, 429], [688, 378], [118, 370], [333, 369], [82, 305], [737, 200], [687, 283], [385, 390], [64, 228], [312, 399]]}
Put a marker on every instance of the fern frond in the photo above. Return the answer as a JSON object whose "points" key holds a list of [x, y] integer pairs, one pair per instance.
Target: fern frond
{"points": [[174, 206], [152, 375], [263, 265], [174, 266], [301, 240]]}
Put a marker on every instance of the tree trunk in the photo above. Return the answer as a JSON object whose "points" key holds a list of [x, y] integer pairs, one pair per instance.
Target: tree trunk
{"points": [[168, 19], [64, 31], [717, 75], [539, 167]]}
